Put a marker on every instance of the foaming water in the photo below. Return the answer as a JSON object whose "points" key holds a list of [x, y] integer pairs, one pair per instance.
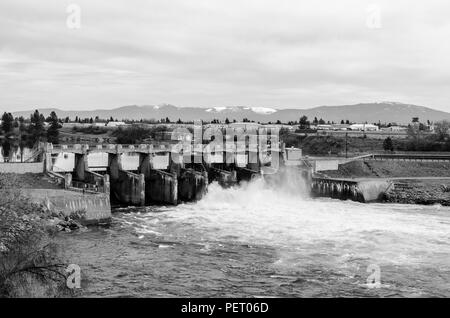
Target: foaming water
{"points": [[264, 239]]}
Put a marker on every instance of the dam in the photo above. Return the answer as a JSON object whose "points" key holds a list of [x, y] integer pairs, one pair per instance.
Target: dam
{"points": [[182, 176], [163, 173]]}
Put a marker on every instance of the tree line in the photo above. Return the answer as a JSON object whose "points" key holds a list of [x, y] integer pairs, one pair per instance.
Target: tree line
{"points": [[32, 130]]}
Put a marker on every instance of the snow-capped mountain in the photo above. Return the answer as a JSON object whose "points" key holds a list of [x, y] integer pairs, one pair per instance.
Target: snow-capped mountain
{"points": [[370, 112]]}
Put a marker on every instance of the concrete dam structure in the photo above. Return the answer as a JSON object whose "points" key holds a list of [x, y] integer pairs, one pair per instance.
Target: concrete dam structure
{"points": [[185, 178]]}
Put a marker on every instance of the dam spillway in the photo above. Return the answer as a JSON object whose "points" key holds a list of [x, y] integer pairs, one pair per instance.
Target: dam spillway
{"points": [[361, 190]]}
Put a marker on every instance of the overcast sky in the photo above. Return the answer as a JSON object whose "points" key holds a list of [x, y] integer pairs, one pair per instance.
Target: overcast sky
{"points": [[269, 53]]}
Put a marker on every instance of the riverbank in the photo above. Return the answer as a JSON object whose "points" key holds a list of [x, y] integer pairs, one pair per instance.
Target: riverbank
{"points": [[94, 208], [411, 182], [426, 191], [33, 209], [30, 261]]}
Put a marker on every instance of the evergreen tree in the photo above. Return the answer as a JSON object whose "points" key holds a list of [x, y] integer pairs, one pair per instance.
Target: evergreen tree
{"points": [[36, 128], [22, 127], [388, 144], [7, 122], [53, 130], [304, 123]]}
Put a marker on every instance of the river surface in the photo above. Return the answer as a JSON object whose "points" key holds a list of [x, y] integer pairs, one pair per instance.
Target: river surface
{"points": [[263, 241]]}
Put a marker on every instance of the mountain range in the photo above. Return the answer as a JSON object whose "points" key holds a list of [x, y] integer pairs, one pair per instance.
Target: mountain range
{"points": [[384, 112]]}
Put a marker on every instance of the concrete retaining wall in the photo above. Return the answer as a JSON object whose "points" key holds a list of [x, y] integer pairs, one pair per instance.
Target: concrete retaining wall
{"points": [[356, 190], [22, 167], [161, 187], [192, 185], [129, 188], [223, 177], [96, 206], [322, 165], [244, 174]]}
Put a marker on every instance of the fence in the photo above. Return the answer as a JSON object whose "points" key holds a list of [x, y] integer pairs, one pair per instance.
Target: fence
{"points": [[87, 186]]}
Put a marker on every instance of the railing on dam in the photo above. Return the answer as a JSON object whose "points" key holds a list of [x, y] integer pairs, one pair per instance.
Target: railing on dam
{"points": [[155, 147], [88, 187], [112, 148], [408, 157]]}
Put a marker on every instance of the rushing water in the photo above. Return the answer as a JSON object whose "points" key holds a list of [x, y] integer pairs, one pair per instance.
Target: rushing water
{"points": [[258, 240]]}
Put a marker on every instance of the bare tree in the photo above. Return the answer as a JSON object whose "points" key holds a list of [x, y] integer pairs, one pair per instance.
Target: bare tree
{"points": [[442, 129]]}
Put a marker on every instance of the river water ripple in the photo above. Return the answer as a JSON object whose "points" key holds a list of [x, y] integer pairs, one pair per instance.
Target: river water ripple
{"points": [[262, 241]]}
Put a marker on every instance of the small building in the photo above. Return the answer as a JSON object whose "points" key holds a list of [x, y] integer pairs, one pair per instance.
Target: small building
{"points": [[115, 124], [340, 126], [293, 153], [245, 126], [364, 127], [394, 129], [323, 127]]}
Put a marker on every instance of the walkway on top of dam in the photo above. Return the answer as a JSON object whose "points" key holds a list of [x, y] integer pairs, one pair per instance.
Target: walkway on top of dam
{"points": [[157, 148]]}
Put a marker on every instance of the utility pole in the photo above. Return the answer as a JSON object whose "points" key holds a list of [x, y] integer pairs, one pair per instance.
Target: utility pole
{"points": [[346, 134]]}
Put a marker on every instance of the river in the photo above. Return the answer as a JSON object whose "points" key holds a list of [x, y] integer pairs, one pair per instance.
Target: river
{"points": [[258, 240]]}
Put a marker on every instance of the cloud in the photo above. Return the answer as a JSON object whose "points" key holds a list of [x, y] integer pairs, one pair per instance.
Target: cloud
{"points": [[266, 53]]}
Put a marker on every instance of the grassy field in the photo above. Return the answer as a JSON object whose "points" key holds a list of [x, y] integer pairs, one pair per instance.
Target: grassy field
{"points": [[390, 169], [28, 181], [331, 145]]}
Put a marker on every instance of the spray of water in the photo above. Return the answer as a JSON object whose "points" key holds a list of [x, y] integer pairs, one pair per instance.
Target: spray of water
{"points": [[280, 213], [317, 239]]}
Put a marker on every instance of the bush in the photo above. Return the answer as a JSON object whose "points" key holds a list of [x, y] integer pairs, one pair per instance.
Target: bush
{"points": [[137, 134], [29, 265], [388, 144], [93, 130]]}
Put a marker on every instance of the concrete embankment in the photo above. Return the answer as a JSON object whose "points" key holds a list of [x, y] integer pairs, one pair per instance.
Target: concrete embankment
{"points": [[350, 189], [42, 189], [387, 181], [95, 208]]}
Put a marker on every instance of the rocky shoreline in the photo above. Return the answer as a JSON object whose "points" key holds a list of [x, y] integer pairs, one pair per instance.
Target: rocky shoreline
{"points": [[425, 183], [425, 192]]}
